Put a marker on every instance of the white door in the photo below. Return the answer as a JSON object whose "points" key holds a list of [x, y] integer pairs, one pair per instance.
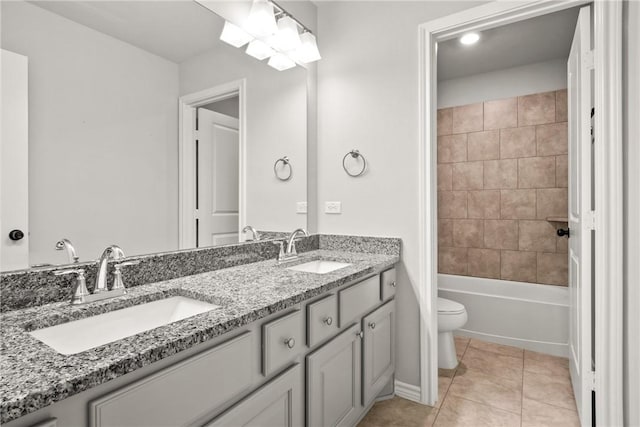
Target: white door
{"points": [[581, 218], [217, 185], [14, 163]]}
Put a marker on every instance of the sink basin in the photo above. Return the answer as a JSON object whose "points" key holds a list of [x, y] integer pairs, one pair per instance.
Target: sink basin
{"points": [[80, 335], [319, 266]]}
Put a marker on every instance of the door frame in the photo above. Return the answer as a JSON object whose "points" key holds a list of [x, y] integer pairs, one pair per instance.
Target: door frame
{"points": [[608, 186], [187, 106]]}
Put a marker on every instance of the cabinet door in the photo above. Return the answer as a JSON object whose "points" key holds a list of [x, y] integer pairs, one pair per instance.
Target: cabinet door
{"points": [[334, 381], [276, 404], [378, 347]]}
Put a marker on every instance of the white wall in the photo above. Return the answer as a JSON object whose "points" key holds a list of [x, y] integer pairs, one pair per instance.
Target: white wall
{"points": [[276, 126], [517, 81], [368, 99], [102, 137], [631, 129]]}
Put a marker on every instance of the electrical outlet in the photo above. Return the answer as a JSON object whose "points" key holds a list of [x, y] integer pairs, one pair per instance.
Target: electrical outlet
{"points": [[333, 207], [301, 207]]}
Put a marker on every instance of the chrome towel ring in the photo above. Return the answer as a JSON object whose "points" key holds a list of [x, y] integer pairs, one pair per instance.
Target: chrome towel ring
{"points": [[285, 163], [355, 154]]}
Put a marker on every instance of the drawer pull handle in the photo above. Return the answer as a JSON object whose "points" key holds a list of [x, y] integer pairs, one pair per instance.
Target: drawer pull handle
{"points": [[290, 342], [360, 334], [372, 325], [328, 320], [393, 284]]}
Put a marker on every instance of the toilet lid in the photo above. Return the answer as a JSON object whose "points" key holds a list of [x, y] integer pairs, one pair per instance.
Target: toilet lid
{"points": [[447, 306]]}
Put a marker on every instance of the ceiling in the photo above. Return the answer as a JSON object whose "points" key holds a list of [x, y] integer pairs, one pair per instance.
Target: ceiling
{"points": [[174, 30], [534, 40]]}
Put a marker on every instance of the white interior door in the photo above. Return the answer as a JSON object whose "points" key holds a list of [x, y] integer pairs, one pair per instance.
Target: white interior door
{"points": [[218, 179], [14, 162], [581, 218]]}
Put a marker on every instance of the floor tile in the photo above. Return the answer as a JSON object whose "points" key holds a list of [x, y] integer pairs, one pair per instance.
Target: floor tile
{"points": [[444, 382], [552, 389], [498, 392], [539, 363], [505, 350], [398, 412], [536, 414], [461, 345], [493, 363], [461, 412]]}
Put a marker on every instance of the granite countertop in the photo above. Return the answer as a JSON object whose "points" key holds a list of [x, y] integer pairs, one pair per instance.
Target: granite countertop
{"points": [[35, 376]]}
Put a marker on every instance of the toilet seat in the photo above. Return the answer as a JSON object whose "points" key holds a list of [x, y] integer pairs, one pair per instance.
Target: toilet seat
{"points": [[448, 307]]}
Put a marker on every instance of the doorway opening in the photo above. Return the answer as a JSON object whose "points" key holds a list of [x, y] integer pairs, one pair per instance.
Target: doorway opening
{"points": [[446, 176], [212, 151]]}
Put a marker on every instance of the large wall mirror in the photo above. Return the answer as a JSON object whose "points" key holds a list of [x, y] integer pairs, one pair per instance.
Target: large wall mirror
{"points": [[116, 94]]}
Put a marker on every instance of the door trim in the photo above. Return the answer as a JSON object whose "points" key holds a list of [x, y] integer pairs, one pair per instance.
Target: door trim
{"points": [[187, 106], [608, 105]]}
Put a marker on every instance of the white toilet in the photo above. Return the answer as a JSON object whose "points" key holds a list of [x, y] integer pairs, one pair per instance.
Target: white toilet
{"points": [[451, 316]]}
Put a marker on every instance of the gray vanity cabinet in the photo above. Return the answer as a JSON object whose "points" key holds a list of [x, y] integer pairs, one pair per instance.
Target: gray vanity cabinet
{"points": [[279, 403], [334, 381], [378, 351]]}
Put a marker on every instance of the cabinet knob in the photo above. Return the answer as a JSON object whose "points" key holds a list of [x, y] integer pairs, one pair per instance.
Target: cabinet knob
{"points": [[393, 284], [372, 325], [290, 342], [360, 334], [328, 320]]}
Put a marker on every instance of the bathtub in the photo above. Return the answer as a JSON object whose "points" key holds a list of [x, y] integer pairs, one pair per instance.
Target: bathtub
{"points": [[526, 315]]}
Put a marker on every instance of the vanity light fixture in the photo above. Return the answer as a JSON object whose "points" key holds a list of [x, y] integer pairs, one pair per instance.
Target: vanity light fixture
{"points": [[259, 50], [286, 41], [470, 38], [234, 35]]}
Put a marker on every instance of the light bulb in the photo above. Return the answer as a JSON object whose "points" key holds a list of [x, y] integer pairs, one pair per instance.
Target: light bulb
{"points": [[308, 50], [259, 50], [287, 37], [234, 35], [261, 21], [281, 62], [470, 38]]}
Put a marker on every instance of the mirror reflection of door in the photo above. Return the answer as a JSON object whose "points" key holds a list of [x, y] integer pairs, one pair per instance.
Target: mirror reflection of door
{"points": [[217, 153]]}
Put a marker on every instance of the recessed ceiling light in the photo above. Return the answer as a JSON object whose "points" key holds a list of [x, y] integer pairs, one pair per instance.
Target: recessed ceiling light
{"points": [[470, 38]]}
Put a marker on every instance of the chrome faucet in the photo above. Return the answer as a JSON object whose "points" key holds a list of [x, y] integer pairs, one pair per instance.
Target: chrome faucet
{"points": [[114, 252], [80, 293], [254, 232], [290, 252], [71, 250]]}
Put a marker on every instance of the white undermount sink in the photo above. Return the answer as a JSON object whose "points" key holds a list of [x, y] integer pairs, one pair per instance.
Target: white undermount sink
{"points": [[80, 335], [319, 266]]}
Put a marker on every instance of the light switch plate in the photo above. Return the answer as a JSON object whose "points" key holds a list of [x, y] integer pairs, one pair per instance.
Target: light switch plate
{"points": [[301, 207], [333, 207]]}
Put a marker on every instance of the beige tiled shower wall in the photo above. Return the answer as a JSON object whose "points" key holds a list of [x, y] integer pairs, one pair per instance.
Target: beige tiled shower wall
{"points": [[502, 171]]}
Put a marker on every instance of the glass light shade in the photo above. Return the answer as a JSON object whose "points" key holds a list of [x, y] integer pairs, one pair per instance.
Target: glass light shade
{"points": [[259, 50], [261, 21], [234, 35], [281, 62], [308, 50], [287, 37]]}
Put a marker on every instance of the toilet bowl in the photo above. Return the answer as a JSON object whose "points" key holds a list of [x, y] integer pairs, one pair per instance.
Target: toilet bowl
{"points": [[451, 316]]}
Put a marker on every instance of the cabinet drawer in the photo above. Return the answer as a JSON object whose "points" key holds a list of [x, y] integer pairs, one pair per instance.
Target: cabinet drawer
{"points": [[358, 299], [388, 284], [182, 393], [322, 320], [282, 341], [277, 404]]}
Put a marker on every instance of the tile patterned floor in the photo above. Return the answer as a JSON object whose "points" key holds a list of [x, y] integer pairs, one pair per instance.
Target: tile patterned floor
{"points": [[494, 385]]}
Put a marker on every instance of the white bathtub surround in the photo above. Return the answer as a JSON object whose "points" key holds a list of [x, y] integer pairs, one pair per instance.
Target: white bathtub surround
{"points": [[526, 315]]}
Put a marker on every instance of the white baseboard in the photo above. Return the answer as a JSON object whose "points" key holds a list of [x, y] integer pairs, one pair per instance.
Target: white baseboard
{"points": [[407, 391]]}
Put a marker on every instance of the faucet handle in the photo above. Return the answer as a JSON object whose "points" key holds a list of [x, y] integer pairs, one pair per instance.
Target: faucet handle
{"points": [[281, 253], [117, 275], [80, 291]]}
